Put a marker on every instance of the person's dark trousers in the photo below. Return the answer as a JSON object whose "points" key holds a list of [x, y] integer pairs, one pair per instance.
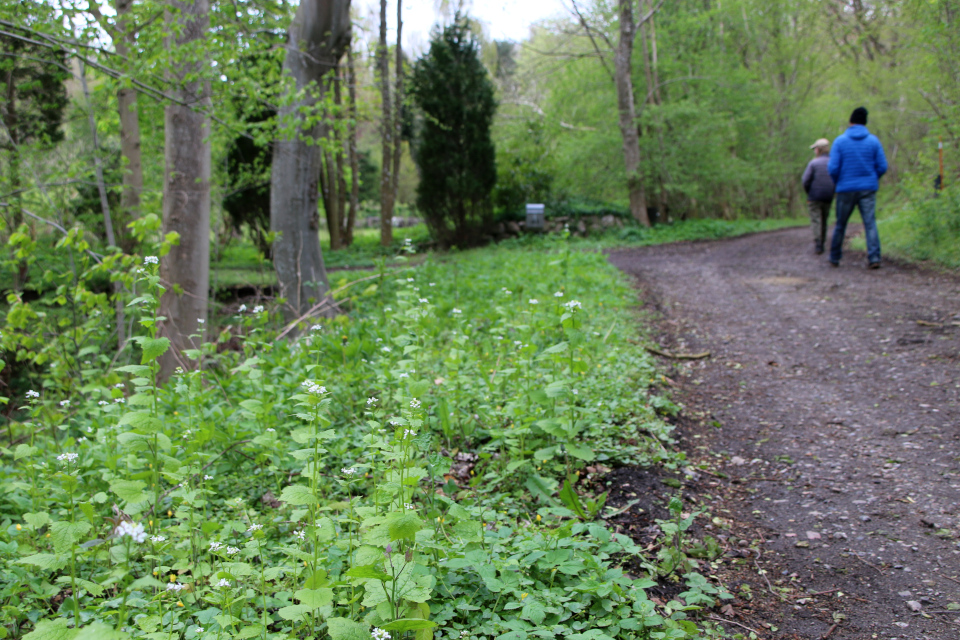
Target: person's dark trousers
{"points": [[819, 212], [866, 201]]}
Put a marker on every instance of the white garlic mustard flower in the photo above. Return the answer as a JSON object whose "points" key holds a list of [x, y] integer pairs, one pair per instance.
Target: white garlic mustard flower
{"points": [[300, 534], [151, 260], [201, 321], [135, 531], [103, 403], [67, 457], [32, 394], [409, 433], [456, 311], [414, 404], [223, 583], [255, 527], [573, 305], [313, 387], [175, 586], [258, 309], [157, 539], [558, 294], [379, 634], [534, 301], [271, 430], [231, 551], [348, 471], [64, 403], [371, 401], [215, 546], [242, 308], [316, 327]]}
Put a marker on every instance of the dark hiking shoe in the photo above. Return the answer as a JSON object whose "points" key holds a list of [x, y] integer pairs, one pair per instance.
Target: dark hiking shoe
{"points": [[818, 249], [834, 264], [873, 265]]}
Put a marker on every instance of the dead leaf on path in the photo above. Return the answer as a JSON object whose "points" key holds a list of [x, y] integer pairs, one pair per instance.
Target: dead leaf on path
{"points": [[813, 535], [727, 610]]}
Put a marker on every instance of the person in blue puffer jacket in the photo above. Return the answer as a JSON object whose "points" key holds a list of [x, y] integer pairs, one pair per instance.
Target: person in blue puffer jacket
{"points": [[856, 165]]}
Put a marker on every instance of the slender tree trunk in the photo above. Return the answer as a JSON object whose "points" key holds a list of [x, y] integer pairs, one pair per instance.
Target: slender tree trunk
{"points": [[185, 271], [124, 39], [318, 36], [104, 202], [338, 153], [398, 108], [627, 113], [328, 194], [352, 150], [13, 170], [386, 134]]}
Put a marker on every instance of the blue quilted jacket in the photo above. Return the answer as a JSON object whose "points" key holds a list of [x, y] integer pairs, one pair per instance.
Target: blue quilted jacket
{"points": [[857, 161]]}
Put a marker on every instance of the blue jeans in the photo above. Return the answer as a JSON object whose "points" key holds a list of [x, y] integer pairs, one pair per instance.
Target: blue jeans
{"points": [[867, 202]]}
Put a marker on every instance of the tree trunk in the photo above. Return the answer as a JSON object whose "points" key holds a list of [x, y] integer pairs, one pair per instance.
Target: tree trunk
{"points": [[339, 136], [386, 134], [328, 191], [398, 108], [352, 150], [627, 113], [185, 271], [13, 170], [104, 203], [124, 38], [317, 39]]}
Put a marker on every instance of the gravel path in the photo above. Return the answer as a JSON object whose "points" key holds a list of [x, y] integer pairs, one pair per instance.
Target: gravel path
{"points": [[832, 395]]}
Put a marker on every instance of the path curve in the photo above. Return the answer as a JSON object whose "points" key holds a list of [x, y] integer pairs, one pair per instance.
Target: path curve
{"points": [[840, 387]]}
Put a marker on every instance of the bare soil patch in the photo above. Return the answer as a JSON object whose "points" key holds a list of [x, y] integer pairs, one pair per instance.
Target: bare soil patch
{"points": [[827, 424]]}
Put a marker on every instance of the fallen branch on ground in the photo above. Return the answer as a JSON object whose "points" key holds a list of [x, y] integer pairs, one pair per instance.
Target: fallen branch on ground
{"points": [[674, 356]]}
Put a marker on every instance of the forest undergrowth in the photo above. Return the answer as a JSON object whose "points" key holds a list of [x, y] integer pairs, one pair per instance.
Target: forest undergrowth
{"points": [[411, 468]]}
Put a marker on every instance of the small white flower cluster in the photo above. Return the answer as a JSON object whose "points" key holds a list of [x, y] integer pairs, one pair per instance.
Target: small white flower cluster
{"points": [[32, 394], [414, 404], [271, 430], [534, 301], [207, 477], [386, 349], [379, 634], [242, 308], [313, 387], [433, 284], [120, 401], [456, 311], [424, 301], [409, 279], [223, 583], [215, 546], [410, 506], [67, 457], [409, 433], [199, 629], [403, 375], [558, 294], [258, 309], [175, 586], [135, 531], [316, 327], [255, 527], [151, 260], [64, 403], [573, 305], [348, 471], [103, 403], [201, 321], [506, 291], [394, 422], [300, 534], [157, 539], [371, 401], [464, 633], [231, 551]]}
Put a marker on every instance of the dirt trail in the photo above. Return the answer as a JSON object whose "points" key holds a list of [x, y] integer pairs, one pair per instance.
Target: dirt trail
{"points": [[832, 395]]}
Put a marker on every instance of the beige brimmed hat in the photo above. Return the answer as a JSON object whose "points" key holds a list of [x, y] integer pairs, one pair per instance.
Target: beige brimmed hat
{"points": [[822, 143]]}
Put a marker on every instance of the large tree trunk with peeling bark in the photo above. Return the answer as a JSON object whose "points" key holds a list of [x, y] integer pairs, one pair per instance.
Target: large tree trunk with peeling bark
{"points": [[124, 37], [318, 37], [185, 271], [627, 113]]}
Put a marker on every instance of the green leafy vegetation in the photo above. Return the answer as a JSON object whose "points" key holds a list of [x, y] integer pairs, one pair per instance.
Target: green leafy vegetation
{"points": [[415, 466]]}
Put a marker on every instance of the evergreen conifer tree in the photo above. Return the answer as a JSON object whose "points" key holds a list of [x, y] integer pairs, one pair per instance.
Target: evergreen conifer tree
{"points": [[454, 151]]}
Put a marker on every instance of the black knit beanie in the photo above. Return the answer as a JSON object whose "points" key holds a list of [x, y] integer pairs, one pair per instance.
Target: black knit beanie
{"points": [[859, 116]]}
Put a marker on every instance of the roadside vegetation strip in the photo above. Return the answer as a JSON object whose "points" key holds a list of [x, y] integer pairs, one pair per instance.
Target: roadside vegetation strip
{"points": [[411, 467]]}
